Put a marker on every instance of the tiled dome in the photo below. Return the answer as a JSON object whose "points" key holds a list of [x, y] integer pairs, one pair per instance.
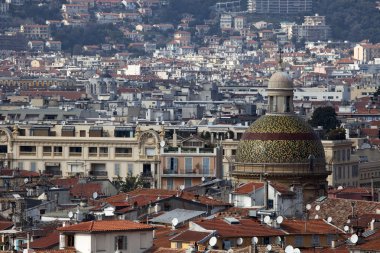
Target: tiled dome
{"points": [[280, 139]]}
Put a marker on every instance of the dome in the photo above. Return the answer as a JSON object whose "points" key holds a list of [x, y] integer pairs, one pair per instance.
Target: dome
{"points": [[280, 80], [280, 139]]}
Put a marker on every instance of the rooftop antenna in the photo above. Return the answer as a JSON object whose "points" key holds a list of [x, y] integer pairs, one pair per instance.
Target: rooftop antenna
{"points": [[354, 238], [174, 223], [346, 228], [212, 242], [267, 220], [289, 249]]}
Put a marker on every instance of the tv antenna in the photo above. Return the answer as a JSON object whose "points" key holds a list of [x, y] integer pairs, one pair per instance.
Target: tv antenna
{"points": [[212, 242]]}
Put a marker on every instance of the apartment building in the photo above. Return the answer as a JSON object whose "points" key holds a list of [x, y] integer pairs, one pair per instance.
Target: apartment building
{"points": [[344, 167], [281, 6], [35, 31], [365, 52], [313, 28]]}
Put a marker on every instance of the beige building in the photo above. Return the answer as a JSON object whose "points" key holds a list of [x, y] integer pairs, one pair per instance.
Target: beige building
{"points": [[366, 52], [343, 166]]}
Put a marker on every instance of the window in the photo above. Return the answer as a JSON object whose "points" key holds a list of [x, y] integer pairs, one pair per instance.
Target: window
{"points": [[299, 241], [187, 182], [70, 240], [355, 170], [33, 166], [233, 152], [343, 155], [92, 151], [75, 151], [57, 151], [130, 168], [315, 240], [348, 154], [121, 243], [117, 170], [21, 165], [25, 150], [170, 183], [188, 164], [206, 165], [179, 245], [123, 152], [150, 151], [103, 151], [46, 150], [172, 164]]}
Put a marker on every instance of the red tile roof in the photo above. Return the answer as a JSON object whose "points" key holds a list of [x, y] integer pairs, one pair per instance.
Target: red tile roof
{"points": [[5, 225], [246, 228], [248, 188], [19, 173], [105, 226], [341, 209], [86, 190], [309, 227], [46, 242]]}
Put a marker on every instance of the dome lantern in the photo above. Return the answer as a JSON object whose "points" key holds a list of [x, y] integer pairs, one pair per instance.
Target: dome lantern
{"points": [[280, 93]]}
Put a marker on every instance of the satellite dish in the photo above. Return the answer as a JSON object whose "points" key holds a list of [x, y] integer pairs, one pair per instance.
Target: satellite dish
{"points": [[182, 187], [329, 219], [174, 222], [279, 219], [340, 187], [316, 217], [278, 240], [266, 219], [26, 180], [213, 241], [308, 207], [162, 144], [239, 241], [94, 195], [346, 228], [269, 247], [203, 179], [71, 214], [296, 250], [317, 207], [354, 238], [254, 240], [289, 249], [348, 221]]}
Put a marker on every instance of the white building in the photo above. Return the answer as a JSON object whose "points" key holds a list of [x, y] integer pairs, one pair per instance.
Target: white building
{"points": [[107, 236], [331, 93]]}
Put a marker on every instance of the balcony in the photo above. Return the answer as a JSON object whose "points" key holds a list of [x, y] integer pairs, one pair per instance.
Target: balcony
{"points": [[177, 150], [183, 173], [98, 173], [27, 153], [75, 154], [123, 154]]}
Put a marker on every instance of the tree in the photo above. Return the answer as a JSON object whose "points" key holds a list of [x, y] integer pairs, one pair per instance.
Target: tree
{"points": [[336, 134], [131, 183], [325, 117]]}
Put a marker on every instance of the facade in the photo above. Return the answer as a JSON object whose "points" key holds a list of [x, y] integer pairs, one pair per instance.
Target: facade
{"points": [[107, 236], [344, 167], [281, 6], [226, 21], [365, 52], [314, 28], [35, 31], [281, 147]]}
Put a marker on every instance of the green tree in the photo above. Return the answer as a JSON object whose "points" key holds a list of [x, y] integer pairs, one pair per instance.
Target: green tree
{"points": [[336, 134], [130, 183], [325, 117]]}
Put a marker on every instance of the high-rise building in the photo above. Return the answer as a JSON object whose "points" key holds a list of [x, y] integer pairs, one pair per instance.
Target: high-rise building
{"points": [[281, 6], [313, 28]]}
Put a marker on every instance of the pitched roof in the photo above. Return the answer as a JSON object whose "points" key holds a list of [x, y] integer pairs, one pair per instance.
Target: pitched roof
{"points": [[191, 236], [105, 226], [308, 227], [248, 188], [245, 228], [49, 241], [5, 225]]}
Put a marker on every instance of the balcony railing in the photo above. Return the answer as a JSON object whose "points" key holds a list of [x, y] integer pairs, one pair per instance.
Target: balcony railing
{"points": [[123, 154], [28, 153], [98, 173], [176, 150], [75, 153]]}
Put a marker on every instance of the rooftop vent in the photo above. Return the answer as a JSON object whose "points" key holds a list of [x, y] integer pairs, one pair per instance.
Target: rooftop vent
{"points": [[231, 220]]}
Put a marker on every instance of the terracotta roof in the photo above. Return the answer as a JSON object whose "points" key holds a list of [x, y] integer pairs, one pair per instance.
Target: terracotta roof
{"points": [[49, 241], [248, 188], [56, 251], [308, 227], [371, 243], [106, 225], [86, 190], [5, 225], [246, 228], [168, 250], [341, 209], [19, 173]]}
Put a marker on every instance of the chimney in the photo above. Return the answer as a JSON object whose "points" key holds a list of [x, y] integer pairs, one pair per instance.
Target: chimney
{"points": [[372, 224], [27, 241], [333, 244], [175, 143]]}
